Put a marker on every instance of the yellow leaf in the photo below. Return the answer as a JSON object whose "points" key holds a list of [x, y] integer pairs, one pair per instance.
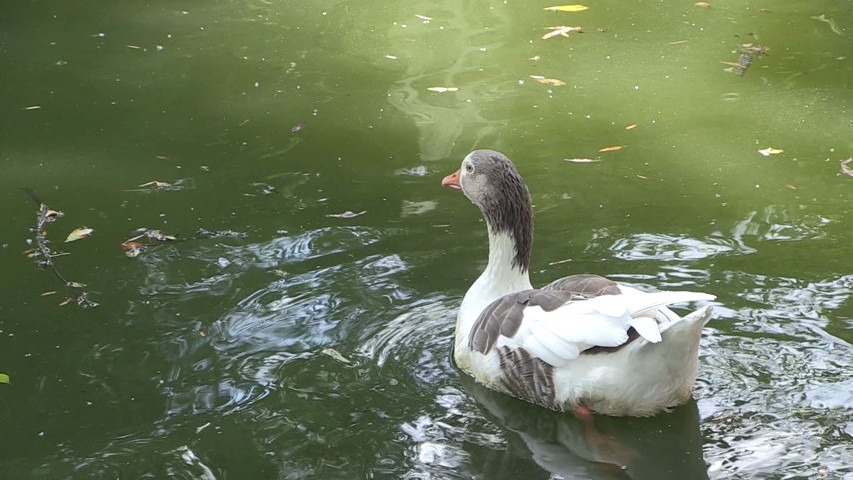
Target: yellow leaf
{"points": [[78, 234], [770, 151], [610, 149], [4, 378], [567, 8]]}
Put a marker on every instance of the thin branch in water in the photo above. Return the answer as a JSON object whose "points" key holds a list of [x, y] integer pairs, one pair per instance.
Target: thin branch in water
{"points": [[43, 256]]}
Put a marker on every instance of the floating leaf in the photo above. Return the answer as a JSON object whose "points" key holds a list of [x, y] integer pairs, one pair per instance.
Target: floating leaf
{"points": [[561, 30], [610, 149], [845, 169], [770, 151], [279, 272], [154, 235], [65, 302], [4, 378], [424, 17], [442, 89], [335, 354], [347, 214], [702, 4], [132, 249], [567, 8], [78, 234], [390, 57], [581, 160], [832, 25], [642, 177], [790, 187], [47, 294], [52, 215], [679, 42], [631, 126], [297, 128], [33, 107], [155, 184], [548, 81]]}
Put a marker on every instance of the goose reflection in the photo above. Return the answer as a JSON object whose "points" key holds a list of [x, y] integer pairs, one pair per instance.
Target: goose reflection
{"points": [[667, 446]]}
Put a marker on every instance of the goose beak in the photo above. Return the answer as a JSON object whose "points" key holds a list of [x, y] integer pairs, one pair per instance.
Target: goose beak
{"points": [[452, 181]]}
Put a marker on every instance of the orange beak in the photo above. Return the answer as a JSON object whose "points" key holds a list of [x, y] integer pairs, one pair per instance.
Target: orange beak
{"points": [[452, 181]]}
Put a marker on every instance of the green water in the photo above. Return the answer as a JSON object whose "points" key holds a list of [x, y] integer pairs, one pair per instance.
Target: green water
{"points": [[205, 358]]}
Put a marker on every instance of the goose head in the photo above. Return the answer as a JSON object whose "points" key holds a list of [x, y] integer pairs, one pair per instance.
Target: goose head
{"points": [[490, 180]]}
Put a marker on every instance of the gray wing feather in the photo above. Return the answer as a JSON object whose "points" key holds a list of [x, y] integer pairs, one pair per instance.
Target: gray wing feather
{"points": [[528, 378], [504, 315]]}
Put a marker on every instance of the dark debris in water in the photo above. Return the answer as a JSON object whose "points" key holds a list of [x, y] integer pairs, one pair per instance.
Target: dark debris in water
{"points": [[44, 256], [747, 52]]}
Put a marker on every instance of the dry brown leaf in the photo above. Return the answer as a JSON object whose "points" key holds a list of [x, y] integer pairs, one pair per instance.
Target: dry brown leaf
{"points": [[610, 149]]}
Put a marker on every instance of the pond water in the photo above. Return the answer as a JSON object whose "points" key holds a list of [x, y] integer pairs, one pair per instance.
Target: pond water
{"points": [[300, 326]]}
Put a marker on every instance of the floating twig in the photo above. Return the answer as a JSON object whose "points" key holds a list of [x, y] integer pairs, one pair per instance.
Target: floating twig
{"points": [[43, 256]]}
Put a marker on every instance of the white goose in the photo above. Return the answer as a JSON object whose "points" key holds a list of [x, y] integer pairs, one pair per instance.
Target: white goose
{"points": [[580, 342]]}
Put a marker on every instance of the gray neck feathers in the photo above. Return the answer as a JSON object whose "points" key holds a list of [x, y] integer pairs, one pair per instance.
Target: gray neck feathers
{"points": [[508, 211]]}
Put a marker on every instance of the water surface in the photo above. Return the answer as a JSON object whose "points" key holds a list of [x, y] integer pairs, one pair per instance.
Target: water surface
{"points": [[306, 153]]}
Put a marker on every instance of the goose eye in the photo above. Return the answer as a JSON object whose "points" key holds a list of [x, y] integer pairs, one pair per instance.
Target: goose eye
{"points": [[469, 168]]}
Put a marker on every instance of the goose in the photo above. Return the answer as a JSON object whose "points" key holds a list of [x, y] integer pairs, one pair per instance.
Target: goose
{"points": [[580, 344]]}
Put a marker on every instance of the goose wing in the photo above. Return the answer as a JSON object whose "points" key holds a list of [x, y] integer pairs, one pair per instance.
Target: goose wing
{"points": [[556, 325]]}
